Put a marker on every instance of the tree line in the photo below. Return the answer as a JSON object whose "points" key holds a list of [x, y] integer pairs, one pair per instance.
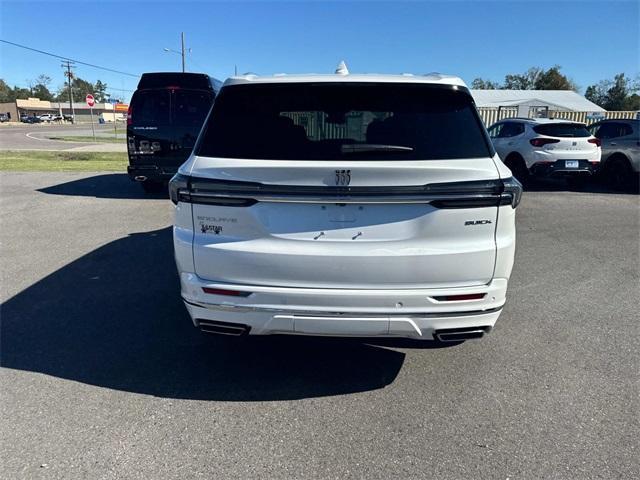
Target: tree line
{"points": [[619, 93], [40, 88]]}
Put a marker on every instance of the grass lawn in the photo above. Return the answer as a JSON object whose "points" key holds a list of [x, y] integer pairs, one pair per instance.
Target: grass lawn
{"points": [[79, 138], [36, 161]]}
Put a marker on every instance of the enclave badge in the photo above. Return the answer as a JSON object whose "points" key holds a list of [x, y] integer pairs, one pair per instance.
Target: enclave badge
{"points": [[343, 177], [476, 222]]}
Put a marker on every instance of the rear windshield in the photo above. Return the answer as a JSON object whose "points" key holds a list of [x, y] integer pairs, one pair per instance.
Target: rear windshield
{"points": [[189, 108], [180, 108], [344, 121], [150, 108], [562, 130]]}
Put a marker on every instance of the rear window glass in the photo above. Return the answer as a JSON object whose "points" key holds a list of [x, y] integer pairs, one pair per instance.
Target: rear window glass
{"points": [[562, 130], [344, 121], [189, 108], [150, 108]]}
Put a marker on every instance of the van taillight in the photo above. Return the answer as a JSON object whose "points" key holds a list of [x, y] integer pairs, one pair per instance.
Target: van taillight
{"points": [[129, 115], [540, 142], [595, 141]]}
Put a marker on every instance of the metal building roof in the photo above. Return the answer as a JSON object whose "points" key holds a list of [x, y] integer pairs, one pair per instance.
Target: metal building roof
{"points": [[558, 99]]}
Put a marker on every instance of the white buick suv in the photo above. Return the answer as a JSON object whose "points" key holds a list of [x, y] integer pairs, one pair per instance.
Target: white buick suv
{"points": [[345, 205]]}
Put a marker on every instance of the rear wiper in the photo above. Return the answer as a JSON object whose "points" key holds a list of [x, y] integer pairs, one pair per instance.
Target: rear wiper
{"points": [[373, 147]]}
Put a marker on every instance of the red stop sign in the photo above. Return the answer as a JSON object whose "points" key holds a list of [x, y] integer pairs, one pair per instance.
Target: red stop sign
{"points": [[90, 100]]}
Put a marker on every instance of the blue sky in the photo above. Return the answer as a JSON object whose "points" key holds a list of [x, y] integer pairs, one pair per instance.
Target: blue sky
{"points": [[591, 40]]}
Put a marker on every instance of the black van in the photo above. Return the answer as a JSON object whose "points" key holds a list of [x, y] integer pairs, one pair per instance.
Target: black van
{"points": [[164, 119]]}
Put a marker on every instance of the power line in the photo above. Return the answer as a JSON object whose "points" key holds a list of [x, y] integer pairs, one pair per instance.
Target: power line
{"points": [[69, 59]]}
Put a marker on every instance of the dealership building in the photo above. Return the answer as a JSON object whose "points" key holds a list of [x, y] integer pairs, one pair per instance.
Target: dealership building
{"points": [[82, 112]]}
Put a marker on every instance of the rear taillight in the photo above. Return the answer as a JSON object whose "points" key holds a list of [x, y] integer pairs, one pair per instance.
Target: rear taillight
{"points": [[129, 115], [540, 142], [511, 192], [596, 141], [222, 291], [179, 188]]}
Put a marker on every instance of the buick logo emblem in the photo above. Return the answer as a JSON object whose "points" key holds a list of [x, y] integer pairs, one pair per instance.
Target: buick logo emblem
{"points": [[343, 177]]}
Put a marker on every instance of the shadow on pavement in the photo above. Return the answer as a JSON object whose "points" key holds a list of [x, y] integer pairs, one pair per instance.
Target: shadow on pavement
{"points": [[106, 185], [114, 318], [592, 185]]}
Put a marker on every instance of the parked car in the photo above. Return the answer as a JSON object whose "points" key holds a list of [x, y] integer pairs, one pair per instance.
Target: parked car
{"points": [[545, 147], [165, 116], [46, 117], [343, 205], [620, 151], [30, 119], [4, 117]]}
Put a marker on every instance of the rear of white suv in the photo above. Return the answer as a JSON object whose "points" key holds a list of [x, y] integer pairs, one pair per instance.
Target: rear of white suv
{"points": [[345, 205], [544, 148]]}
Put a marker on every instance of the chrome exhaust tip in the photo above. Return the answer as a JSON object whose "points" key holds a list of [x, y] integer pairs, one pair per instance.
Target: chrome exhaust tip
{"points": [[460, 334], [223, 328], [140, 178]]}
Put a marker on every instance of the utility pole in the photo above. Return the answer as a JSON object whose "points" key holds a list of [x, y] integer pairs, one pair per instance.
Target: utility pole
{"points": [[69, 75], [182, 41]]}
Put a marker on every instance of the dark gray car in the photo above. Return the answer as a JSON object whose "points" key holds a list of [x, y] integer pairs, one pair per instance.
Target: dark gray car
{"points": [[620, 150]]}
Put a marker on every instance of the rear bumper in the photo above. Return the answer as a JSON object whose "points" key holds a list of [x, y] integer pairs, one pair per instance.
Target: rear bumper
{"points": [[339, 312], [559, 168], [154, 173]]}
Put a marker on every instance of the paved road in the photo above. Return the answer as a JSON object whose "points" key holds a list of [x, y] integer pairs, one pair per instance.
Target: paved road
{"points": [[35, 137], [104, 377]]}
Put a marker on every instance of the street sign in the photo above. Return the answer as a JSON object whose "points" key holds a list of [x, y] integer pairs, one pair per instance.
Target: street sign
{"points": [[90, 100]]}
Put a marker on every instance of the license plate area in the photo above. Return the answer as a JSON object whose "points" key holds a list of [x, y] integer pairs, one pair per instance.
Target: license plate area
{"points": [[571, 164], [342, 213]]}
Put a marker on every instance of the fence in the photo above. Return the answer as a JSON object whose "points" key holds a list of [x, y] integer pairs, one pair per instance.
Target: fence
{"points": [[491, 115]]}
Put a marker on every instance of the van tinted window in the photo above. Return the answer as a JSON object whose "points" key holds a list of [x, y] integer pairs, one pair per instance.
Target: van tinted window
{"points": [[150, 108], [562, 130], [316, 121], [190, 107]]}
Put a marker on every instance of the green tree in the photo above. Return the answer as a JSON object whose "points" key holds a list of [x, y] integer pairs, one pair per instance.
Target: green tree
{"points": [[524, 81], [40, 88], [21, 93], [552, 79], [100, 91], [632, 102], [81, 88], [6, 92], [482, 84], [617, 94]]}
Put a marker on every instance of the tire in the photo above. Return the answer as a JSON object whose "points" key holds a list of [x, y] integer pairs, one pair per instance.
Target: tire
{"points": [[618, 174], [518, 167], [152, 187]]}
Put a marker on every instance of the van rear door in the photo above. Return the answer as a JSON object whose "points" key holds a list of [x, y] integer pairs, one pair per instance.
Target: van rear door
{"points": [[188, 111], [149, 138], [344, 185]]}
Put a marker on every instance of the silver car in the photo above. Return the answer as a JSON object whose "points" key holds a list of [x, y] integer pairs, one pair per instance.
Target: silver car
{"points": [[620, 162]]}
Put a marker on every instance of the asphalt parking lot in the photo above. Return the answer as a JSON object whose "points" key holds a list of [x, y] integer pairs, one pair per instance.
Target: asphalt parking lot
{"points": [[103, 376]]}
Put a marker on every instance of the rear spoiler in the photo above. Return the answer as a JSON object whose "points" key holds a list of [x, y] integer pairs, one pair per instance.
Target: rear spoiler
{"points": [[194, 81]]}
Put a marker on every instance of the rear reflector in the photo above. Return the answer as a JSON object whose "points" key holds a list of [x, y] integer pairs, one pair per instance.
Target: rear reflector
{"points": [[222, 291], [596, 141], [457, 298], [540, 142]]}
